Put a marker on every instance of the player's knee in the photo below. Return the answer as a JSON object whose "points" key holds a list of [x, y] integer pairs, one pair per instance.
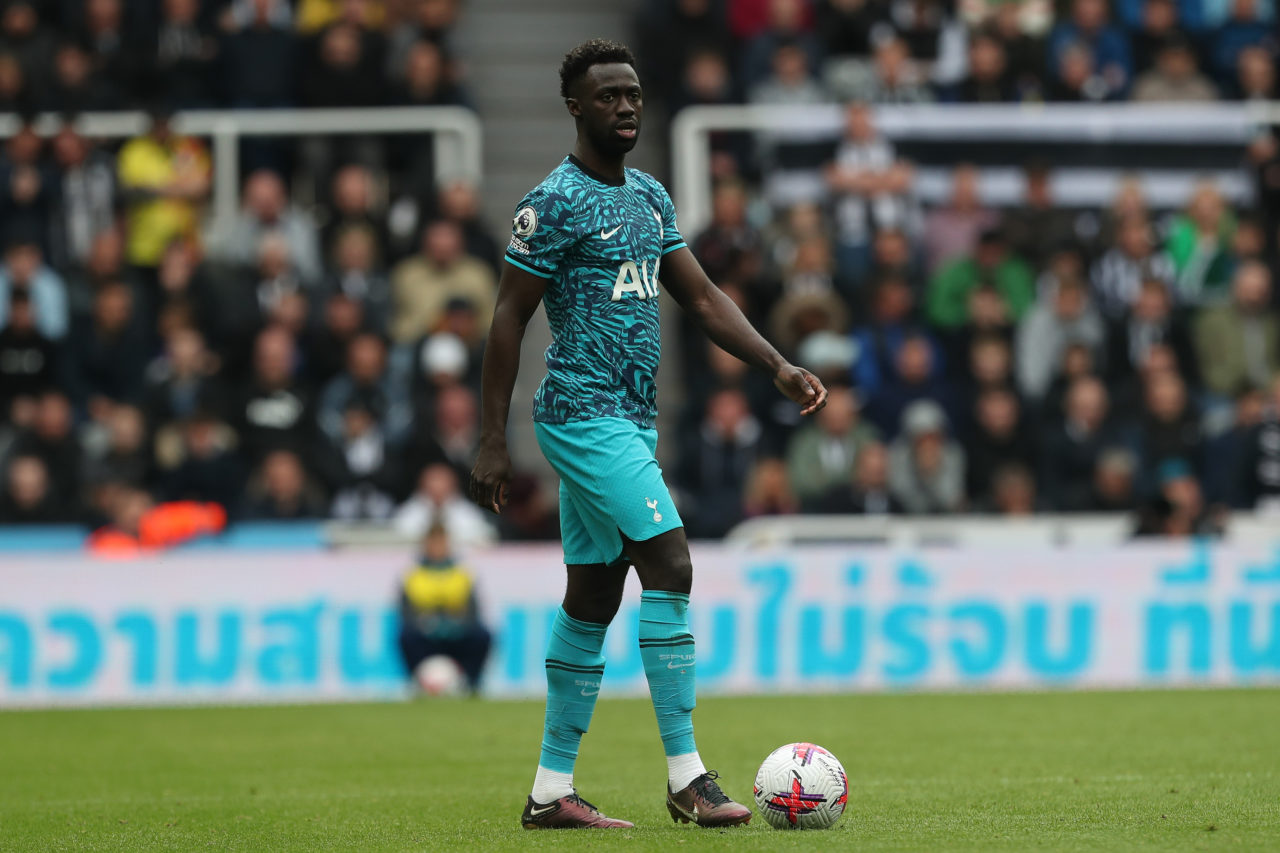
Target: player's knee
{"points": [[682, 575], [675, 575], [598, 604]]}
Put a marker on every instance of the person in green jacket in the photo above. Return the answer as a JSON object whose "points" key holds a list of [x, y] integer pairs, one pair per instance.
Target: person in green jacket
{"points": [[1238, 344], [1199, 243], [821, 454], [947, 300]]}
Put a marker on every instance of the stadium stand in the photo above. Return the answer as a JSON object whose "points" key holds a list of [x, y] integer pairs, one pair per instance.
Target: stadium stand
{"points": [[998, 346]]}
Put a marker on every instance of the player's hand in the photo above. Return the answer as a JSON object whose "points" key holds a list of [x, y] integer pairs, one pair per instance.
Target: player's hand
{"points": [[489, 477], [802, 387]]}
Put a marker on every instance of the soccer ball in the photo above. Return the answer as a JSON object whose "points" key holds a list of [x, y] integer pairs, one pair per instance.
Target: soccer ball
{"points": [[439, 675], [801, 786]]}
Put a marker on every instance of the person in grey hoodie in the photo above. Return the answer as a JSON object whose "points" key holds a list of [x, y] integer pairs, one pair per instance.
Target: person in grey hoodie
{"points": [[1061, 317], [926, 465]]}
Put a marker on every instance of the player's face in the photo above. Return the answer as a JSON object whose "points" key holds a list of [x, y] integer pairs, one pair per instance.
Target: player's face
{"points": [[609, 103]]}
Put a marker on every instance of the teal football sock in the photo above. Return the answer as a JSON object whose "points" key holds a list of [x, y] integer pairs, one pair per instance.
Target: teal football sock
{"points": [[666, 647], [575, 666]]}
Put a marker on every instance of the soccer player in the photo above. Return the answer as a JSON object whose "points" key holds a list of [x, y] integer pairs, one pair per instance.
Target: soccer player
{"points": [[588, 242]]}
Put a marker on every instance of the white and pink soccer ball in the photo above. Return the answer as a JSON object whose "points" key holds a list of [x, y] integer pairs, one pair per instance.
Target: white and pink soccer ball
{"points": [[440, 675], [801, 786]]}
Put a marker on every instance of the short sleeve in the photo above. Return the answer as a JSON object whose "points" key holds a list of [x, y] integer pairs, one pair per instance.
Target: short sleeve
{"points": [[671, 237], [541, 233]]}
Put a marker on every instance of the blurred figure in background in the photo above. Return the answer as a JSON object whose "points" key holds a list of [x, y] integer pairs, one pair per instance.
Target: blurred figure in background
{"points": [[871, 188], [438, 501], [185, 54], [821, 455], [267, 209], [208, 469], [1041, 224], [1255, 78], [1199, 243], [1119, 274], [1063, 318], [1257, 469], [915, 375], [125, 456], [1072, 448], [988, 80], [366, 379], [458, 201], [768, 491], [24, 271], [422, 286], [1089, 29], [50, 435], [106, 355], [1157, 23], [868, 491], [28, 359], [1000, 439], [355, 460], [731, 248], [953, 230], [281, 490], [1178, 507], [1152, 322], [926, 466], [990, 265], [439, 613], [273, 409], [715, 462], [354, 201], [182, 379], [1171, 423], [1239, 343], [1013, 491], [164, 178], [789, 23], [357, 274], [1176, 77], [1115, 478], [87, 197], [27, 497], [891, 76]]}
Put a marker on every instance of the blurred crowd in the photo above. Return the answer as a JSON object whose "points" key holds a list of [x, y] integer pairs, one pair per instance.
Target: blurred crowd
{"points": [[320, 357], [88, 55], [966, 51], [1006, 360]]}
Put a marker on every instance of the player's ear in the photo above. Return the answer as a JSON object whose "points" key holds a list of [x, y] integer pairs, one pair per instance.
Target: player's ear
{"points": [[575, 109]]}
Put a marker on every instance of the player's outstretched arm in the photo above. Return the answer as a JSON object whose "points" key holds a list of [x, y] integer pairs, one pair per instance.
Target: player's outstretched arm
{"points": [[716, 314], [519, 293]]}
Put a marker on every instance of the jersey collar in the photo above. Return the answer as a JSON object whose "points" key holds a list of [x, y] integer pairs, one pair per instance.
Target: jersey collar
{"points": [[594, 175]]}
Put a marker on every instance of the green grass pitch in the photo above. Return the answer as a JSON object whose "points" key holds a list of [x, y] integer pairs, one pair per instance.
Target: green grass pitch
{"points": [[1175, 770]]}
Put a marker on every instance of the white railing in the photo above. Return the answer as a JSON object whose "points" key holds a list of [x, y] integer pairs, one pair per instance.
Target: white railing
{"points": [[1154, 124], [455, 132], [967, 531], [951, 531]]}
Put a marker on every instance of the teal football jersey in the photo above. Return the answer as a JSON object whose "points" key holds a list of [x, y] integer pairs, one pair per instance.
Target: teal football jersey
{"points": [[599, 244]]}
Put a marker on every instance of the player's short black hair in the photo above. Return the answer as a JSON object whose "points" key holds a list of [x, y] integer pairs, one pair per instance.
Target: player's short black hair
{"points": [[589, 53]]}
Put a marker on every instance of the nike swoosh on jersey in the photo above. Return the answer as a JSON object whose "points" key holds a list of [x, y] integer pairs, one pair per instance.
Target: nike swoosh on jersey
{"points": [[605, 235]]}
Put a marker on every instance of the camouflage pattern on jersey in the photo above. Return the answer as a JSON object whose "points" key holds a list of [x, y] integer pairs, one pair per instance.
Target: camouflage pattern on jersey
{"points": [[599, 245]]}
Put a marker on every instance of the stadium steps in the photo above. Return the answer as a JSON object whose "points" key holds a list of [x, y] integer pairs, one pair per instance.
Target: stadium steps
{"points": [[512, 59]]}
